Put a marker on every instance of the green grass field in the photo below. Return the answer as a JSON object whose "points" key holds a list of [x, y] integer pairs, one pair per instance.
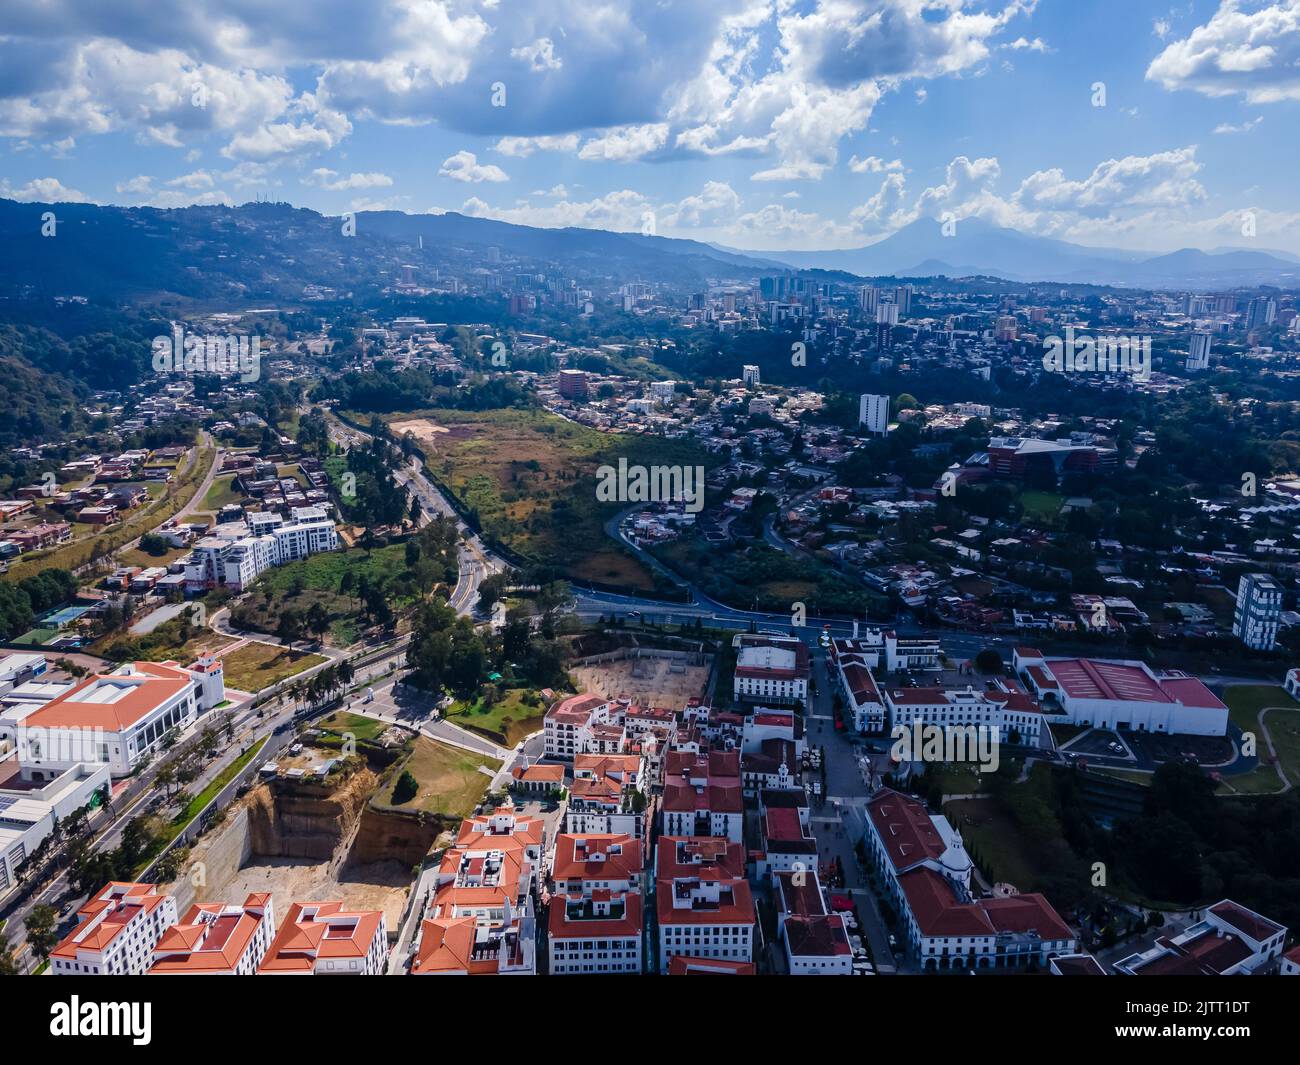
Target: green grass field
{"points": [[222, 493], [506, 722], [258, 665], [451, 780], [1043, 506], [363, 728], [1245, 704]]}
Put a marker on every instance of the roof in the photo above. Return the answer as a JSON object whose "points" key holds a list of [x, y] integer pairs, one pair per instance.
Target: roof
{"points": [[603, 856], [1078, 965], [681, 965], [538, 773], [684, 856], [113, 701], [1247, 922], [447, 947], [1086, 678], [104, 916], [820, 937], [574, 917], [907, 831], [211, 938], [936, 908], [314, 930], [575, 710], [1025, 913]]}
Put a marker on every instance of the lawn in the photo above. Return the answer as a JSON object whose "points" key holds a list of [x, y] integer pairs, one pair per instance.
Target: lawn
{"points": [[1245, 703], [259, 665], [1043, 506], [136, 557], [363, 728], [451, 781], [505, 722], [993, 835], [221, 494], [530, 477]]}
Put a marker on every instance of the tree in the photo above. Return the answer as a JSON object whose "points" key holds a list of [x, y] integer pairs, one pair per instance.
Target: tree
{"points": [[989, 661], [8, 963], [406, 789], [41, 936]]}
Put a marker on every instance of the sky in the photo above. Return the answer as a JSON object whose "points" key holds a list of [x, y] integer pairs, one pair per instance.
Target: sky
{"points": [[757, 124]]}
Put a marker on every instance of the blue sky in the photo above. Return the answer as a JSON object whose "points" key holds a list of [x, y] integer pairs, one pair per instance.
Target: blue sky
{"points": [[763, 124]]}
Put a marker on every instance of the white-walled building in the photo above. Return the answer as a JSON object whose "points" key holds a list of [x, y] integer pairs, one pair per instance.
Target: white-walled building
{"points": [[608, 796], [772, 670], [927, 874], [702, 795], [480, 919], [816, 941], [117, 719], [1121, 695], [30, 810], [1258, 611], [703, 901], [1230, 940], [873, 413], [217, 939], [324, 939], [596, 914], [117, 930], [236, 553], [1014, 715], [567, 726]]}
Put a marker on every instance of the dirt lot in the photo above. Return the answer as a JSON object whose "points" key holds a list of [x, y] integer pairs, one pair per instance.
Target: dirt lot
{"points": [[381, 885], [647, 681]]}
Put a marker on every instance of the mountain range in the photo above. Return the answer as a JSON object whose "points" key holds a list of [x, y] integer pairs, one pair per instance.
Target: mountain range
{"points": [[977, 247], [265, 250]]}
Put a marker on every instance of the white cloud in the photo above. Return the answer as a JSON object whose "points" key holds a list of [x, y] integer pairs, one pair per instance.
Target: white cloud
{"points": [[874, 165], [464, 166], [140, 185], [626, 143], [522, 147], [621, 211], [1243, 127], [540, 55], [716, 204], [43, 190], [324, 178], [1252, 53]]}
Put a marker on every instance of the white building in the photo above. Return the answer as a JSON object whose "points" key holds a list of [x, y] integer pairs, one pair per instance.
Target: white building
{"points": [[1230, 940], [772, 670], [236, 553], [324, 939], [1259, 608], [117, 719], [816, 941], [750, 376], [1121, 695], [117, 930], [480, 919], [873, 412], [702, 795], [30, 811], [1198, 351], [927, 874], [567, 726], [595, 916], [217, 939], [1013, 714], [703, 901]]}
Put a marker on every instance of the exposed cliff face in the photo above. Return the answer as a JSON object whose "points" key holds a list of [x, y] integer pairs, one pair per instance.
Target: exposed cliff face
{"points": [[386, 836], [290, 820]]}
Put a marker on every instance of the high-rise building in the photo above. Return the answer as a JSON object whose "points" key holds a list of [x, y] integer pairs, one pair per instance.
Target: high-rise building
{"points": [[887, 314], [903, 298], [867, 299], [1198, 351], [573, 384], [750, 376], [873, 412], [1261, 312], [1259, 606]]}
